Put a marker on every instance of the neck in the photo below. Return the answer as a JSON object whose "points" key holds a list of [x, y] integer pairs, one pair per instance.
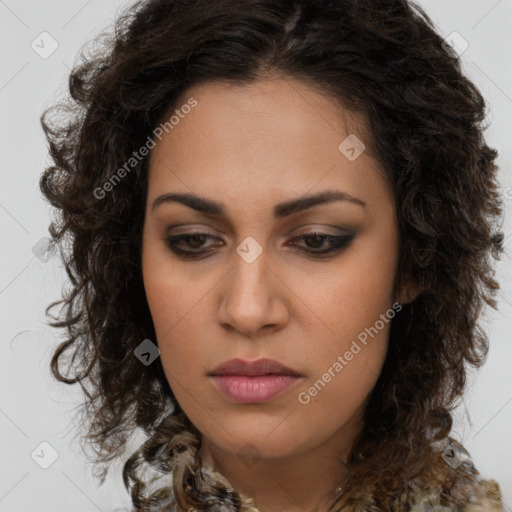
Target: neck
{"points": [[302, 481]]}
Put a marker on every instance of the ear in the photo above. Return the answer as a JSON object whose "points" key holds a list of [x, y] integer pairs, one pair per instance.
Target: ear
{"points": [[407, 291]]}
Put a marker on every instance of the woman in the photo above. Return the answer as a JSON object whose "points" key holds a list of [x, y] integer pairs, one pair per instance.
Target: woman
{"points": [[283, 216]]}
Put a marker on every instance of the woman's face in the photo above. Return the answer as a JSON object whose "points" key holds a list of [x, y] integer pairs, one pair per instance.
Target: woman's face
{"points": [[256, 283]]}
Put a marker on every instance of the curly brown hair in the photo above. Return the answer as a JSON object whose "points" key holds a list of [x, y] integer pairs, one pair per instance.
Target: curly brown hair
{"points": [[381, 58]]}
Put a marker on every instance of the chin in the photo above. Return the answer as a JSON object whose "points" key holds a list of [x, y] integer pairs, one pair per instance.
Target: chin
{"points": [[264, 441]]}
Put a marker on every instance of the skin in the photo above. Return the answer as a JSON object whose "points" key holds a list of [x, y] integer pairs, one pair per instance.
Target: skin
{"points": [[251, 147]]}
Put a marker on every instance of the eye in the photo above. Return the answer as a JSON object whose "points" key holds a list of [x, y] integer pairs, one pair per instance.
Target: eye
{"points": [[331, 243], [193, 241], [192, 245]]}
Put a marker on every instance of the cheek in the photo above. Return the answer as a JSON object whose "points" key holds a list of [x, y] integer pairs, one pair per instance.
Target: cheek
{"points": [[345, 371], [350, 297], [161, 294], [337, 399], [355, 301], [176, 322], [178, 311], [171, 293]]}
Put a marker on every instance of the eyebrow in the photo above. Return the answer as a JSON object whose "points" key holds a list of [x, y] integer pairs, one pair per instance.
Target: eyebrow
{"points": [[281, 210]]}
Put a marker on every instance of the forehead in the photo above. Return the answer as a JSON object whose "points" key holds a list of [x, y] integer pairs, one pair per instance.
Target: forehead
{"points": [[259, 140]]}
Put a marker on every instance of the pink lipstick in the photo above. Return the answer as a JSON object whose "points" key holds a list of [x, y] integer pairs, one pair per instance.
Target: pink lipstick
{"points": [[253, 382]]}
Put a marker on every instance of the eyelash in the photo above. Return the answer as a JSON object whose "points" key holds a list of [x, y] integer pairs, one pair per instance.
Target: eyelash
{"points": [[339, 242]]}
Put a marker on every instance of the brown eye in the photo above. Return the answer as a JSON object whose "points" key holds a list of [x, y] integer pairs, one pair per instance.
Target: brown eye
{"points": [[314, 241], [196, 241], [181, 244]]}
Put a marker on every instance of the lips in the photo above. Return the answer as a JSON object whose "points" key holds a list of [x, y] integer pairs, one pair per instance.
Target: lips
{"points": [[253, 382], [253, 368]]}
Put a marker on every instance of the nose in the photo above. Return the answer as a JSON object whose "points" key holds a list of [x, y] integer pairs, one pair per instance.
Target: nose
{"points": [[253, 298]]}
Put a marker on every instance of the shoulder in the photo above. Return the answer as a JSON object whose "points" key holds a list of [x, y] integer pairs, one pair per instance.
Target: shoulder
{"points": [[457, 485]]}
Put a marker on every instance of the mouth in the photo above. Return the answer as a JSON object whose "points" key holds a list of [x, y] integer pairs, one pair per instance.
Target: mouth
{"points": [[253, 390], [253, 382]]}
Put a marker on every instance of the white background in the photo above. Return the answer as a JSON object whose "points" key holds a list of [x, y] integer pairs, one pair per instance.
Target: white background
{"points": [[33, 408]]}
